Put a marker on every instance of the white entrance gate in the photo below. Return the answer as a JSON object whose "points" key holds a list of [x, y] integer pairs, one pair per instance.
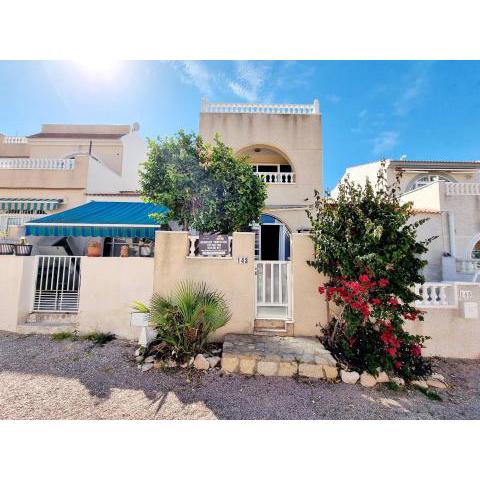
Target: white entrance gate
{"points": [[273, 290], [57, 284]]}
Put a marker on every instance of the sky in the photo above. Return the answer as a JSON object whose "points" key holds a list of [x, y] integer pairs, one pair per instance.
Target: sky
{"points": [[370, 109]]}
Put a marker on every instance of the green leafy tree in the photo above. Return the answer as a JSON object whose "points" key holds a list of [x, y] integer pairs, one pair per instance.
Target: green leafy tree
{"points": [[366, 244], [205, 187]]}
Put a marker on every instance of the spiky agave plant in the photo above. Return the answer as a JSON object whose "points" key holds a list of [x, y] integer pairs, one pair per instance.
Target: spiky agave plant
{"points": [[185, 318]]}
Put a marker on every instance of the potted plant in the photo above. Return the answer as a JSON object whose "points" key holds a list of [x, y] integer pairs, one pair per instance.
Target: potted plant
{"points": [[145, 249], [22, 249], [93, 249]]}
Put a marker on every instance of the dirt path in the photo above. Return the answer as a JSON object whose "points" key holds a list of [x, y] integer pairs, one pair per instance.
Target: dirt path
{"points": [[45, 379]]}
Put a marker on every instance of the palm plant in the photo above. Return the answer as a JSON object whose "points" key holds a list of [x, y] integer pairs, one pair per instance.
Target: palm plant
{"points": [[185, 318]]}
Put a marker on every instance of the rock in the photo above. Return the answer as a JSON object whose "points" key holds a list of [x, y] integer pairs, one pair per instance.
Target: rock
{"points": [[268, 369], [201, 363], [438, 376], [399, 381], [139, 351], [190, 362], [139, 359], [349, 377], [215, 351], [331, 373], [229, 364], [432, 382], [419, 383], [213, 361], [171, 363], [247, 366], [367, 380], [184, 365], [311, 370], [149, 359], [146, 367], [287, 369], [382, 377], [165, 363]]}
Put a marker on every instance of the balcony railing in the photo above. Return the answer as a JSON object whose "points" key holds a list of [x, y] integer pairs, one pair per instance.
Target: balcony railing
{"points": [[441, 295], [274, 177], [37, 163], [467, 266], [291, 109], [454, 188], [15, 140]]}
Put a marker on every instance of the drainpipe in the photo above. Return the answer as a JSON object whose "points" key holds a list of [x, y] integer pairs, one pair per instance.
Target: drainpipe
{"points": [[451, 234]]}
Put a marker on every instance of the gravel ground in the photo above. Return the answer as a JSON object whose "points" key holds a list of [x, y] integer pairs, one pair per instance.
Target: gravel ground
{"points": [[45, 379]]}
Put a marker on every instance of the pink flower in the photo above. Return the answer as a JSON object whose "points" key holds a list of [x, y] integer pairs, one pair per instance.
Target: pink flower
{"points": [[364, 278], [393, 301], [375, 301], [383, 282]]}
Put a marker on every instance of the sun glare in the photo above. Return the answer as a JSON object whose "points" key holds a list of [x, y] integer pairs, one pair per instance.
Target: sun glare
{"points": [[99, 67]]}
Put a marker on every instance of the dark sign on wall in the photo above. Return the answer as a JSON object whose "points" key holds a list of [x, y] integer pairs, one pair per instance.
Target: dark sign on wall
{"points": [[213, 245]]}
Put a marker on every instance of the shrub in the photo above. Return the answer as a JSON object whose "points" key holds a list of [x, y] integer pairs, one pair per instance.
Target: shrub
{"points": [[99, 338], [365, 243], [185, 319], [58, 336]]}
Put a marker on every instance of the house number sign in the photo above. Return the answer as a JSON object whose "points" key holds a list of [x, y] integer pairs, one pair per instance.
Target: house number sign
{"points": [[213, 245], [242, 260], [465, 294]]}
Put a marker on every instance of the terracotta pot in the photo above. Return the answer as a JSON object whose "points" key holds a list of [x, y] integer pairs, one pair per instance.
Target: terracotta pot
{"points": [[124, 251], [93, 249]]}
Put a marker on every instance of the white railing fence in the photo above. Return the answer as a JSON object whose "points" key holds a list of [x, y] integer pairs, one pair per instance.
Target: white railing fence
{"points": [[273, 289], [37, 163], [193, 247], [296, 109], [57, 284], [467, 266], [436, 295], [15, 140], [453, 188], [273, 177]]}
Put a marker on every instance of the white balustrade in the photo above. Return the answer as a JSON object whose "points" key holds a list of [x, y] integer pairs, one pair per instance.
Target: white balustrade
{"points": [[276, 177], [37, 163], [435, 295], [15, 140], [467, 266], [292, 109], [453, 188]]}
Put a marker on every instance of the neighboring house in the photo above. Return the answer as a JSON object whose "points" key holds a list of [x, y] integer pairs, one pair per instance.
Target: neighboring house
{"points": [[63, 166], [448, 193], [284, 146]]}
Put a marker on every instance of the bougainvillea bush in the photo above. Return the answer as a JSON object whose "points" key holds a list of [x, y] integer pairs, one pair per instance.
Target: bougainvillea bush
{"points": [[365, 244]]}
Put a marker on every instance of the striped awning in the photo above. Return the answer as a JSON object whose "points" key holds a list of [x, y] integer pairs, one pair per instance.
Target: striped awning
{"points": [[29, 204], [100, 219]]}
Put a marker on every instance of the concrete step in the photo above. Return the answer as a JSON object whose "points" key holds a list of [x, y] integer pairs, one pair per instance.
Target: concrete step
{"points": [[50, 317], [279, 328], [46, 327]]}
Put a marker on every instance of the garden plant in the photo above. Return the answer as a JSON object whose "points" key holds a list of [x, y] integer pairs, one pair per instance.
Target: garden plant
{"points": [[366, 245], [184, 320], [205, 186]]}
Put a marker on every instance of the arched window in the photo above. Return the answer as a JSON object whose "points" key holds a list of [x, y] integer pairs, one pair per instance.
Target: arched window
{"points": [[423, 180]]}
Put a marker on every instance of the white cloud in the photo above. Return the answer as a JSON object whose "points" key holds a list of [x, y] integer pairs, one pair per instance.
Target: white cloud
{"points": [[249, 80], [416, 88], [384, 142], [332, 98], [196, 73]]}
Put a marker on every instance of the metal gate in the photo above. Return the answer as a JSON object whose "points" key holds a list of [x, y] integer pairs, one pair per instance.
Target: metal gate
{"points": [[273, 290], [57, 287]]}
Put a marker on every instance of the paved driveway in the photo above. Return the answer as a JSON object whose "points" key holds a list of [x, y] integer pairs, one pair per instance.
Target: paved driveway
{"points": [[45, 379]]}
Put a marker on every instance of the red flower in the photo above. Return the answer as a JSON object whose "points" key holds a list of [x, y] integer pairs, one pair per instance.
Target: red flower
{"points": [[393, 301], [353, 286], [364, 278], [391, 351], [352, 340], [376, 301], [321, 290], [383, 282], [415, 350], [397, 365], [410, 316]]}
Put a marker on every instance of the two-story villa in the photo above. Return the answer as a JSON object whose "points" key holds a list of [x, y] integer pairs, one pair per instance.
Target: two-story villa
{"points": [[63, 166], [448, 193], [284, 146]]}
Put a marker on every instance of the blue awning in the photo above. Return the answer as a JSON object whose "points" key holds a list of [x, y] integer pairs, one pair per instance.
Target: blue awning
{"points": [[100, 219]]}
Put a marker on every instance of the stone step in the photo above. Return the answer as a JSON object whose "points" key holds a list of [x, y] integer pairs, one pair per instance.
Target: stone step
{"points": [[46, 327], [269, 323]]}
